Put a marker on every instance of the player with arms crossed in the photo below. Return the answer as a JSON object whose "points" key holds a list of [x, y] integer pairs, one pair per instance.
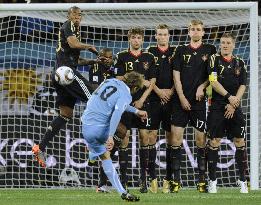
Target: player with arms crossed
{"points": [[135, 59], [160, 100], [101, 117], [189, 102], [67, 54], [228, 78]]}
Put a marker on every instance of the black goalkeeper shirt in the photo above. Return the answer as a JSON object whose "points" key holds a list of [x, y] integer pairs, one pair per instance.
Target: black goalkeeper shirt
{"points": [[65, 55], [192, 65]]}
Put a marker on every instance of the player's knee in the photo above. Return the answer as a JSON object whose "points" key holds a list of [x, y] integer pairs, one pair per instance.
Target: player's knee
{"points": [[177, 140], [66, 111], [153, 137], [121, 131], [239, 142], [201, 142], [214, 143]]}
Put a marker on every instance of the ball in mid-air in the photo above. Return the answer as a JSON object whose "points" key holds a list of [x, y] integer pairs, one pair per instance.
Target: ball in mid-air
{"points": [[64, 75]]}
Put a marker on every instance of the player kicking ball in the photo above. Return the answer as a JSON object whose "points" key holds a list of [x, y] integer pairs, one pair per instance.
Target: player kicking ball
{"points": [[101, 118]]}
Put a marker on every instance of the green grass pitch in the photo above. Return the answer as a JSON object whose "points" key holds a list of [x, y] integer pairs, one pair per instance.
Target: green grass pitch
{"points": [[88, 196]]}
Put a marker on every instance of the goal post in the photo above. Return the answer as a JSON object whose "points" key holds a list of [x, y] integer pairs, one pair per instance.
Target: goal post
{"points": [[28, 39]]}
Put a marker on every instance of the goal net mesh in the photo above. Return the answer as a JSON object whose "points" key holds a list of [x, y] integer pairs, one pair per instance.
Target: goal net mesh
{"points": [[27, 99]]}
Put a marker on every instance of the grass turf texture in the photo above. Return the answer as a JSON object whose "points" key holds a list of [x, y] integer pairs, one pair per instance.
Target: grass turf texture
{"points": [[88, 196]]}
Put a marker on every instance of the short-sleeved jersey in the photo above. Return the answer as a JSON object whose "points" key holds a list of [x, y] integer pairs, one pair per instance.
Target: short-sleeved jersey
{"points": [[112, 95], [144, 64], [164, 72], [230, 74], [99, 72], [65, 55], [192, 65]]}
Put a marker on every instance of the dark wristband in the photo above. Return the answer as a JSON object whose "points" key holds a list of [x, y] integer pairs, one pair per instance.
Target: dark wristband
{"points": [[227, 96]]}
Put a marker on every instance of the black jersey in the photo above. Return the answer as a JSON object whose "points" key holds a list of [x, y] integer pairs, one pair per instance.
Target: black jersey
{"points": [[230, 74], [99, 72], [65, 55], [164, 73], [192, 65], [144, 64]]}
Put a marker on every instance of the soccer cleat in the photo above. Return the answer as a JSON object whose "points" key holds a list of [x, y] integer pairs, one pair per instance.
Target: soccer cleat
{"points": [[202, 187], [102, 189], [143, 187], [243, 186], [39, 155], [130, 197], [165, 187], [174, 187], [212, 187], [154, 186]]}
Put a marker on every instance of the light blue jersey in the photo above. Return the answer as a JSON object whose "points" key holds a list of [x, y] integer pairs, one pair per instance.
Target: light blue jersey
{"points": [[103, 113]]}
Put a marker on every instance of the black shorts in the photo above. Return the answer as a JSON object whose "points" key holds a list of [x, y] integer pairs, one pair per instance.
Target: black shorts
{"points": [[80, 89], [126, 119], [160, 114], [130, 120], [218, 126], [181, 117]]}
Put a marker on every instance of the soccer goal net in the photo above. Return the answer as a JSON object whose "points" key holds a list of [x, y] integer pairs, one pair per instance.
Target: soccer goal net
{"points": [[28, 39]]}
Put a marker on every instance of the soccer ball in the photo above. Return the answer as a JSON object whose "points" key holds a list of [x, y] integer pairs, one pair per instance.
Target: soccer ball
{"points": [[64, 75]]}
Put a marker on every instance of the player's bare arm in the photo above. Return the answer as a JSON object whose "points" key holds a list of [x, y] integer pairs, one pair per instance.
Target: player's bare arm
{"points": [[200, 90], [139, 103], [163, 95], [177, 82], [233, 100], [240, 91], [86, 61], [75, 43]]}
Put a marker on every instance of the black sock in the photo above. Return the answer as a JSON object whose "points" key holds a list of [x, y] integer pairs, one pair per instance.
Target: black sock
{"points": [[152, 159], [176, 160], [103, 177], [52, 130], [241, 161], [123, 161], [201, 158], [212, 156], [143, 161], [168, 163]]}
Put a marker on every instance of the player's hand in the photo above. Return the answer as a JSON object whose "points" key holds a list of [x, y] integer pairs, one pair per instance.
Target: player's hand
{"points": [[234, 101], [109, 143], [200, 93], [92, 49], [169, 92], [138, 104], [164, 97], [143, 115], [146, 83], [185, 103], [229, 112]]}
